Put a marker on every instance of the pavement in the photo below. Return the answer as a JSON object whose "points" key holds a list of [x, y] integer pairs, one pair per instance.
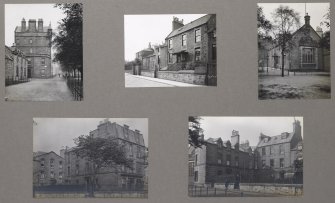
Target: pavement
{"points": [[142, 81], [232, 193], [51, 89]]}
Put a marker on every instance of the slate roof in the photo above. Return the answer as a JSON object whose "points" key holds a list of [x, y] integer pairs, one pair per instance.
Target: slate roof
{"points": [[191, 25], [278, 139]]}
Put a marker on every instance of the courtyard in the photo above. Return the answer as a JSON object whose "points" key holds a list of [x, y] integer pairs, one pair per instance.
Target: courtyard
{"points": [[300, 85]]}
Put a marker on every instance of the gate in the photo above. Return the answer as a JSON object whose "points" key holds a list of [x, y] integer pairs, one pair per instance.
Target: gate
{"points": [[211, 76]]}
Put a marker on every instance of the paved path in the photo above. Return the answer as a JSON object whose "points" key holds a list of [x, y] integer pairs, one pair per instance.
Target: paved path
{"points": [[142, 81], [53, 89]]}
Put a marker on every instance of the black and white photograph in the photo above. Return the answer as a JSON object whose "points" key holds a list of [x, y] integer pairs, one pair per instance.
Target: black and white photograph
{"points": [[90, 157], [293, 51], [43, 52], [245, 156], [177, 50]]}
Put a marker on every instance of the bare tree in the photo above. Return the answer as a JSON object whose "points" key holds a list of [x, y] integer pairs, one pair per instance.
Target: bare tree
{"points": [[285, 21]]}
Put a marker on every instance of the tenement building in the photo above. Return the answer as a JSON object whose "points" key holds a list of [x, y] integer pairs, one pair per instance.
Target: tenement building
{"points": [[273, 159], [34, 41], [48, 169], [79, 170], [279, 152], [305, 51]]}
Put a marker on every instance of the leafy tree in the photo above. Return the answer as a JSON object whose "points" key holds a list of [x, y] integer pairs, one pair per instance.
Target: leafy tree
{"points": [[195, 138], [285, 21], [264, 26], [325, 41], [101, 152], [68, 41]]}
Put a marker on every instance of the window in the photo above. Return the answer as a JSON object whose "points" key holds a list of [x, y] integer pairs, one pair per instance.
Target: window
{"points": [[263, 163], [170, 44], [219, 161], [196, 159], [214, 34], [281, 163], [43, 61], [219, 172], [52, 174], [60, 164], [17, 42], [29, 62], [30, 41], [191, 169], [31, 50], [170, 58], [68, 170], [197, 35], [42, 162], [42, 175], [272, 163], [308, 55], [51, 163], [77, 169], [60, 175], [281, 150], [271, 150], [228, 157], [236, 160], [213, 51], [183, 40], [195, 176], [263, 151], [197, 54]]}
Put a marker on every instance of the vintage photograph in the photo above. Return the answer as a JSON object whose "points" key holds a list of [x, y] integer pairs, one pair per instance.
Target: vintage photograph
{"points": [[245, 156], [90, 157], [176, 50], [44, 52], [293, 51]]}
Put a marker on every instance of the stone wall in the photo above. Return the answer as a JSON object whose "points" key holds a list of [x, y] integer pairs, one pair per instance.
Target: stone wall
{"points": [[148, 73], [183, 76]]}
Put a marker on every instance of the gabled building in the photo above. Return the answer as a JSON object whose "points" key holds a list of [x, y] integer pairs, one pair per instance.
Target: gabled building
{"points": [[35, 42], [48, 169], [193, 44], [305, 52], [80, 170], [16, 64], [279, 152]]}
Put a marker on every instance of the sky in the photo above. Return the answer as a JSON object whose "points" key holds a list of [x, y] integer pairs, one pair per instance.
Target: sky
{"points": [[140, 30], [249, 127], [315, 10], [51, 134]]}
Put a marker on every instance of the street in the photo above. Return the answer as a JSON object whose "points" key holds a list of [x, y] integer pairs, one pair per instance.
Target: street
{"points": [[52, 89], [299, 86], [141, 81]]}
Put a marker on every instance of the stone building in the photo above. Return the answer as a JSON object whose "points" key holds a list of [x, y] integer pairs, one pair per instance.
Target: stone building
{"points": [[279, 152], [35, 42], [273, 159], [187, 55], [305, 52], [48, 169], [16, 64], [192, 45], [218, 161], [79, 170]]}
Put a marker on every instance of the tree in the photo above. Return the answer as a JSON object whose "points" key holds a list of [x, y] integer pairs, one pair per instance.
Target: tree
{"points": [[101, 152], [69, 40], [286, 20], [264, 26], [325, 41], [195, 138]]}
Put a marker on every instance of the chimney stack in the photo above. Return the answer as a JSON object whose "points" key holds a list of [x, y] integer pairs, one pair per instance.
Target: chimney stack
{"points": [[235, 139], [40, 25], [307, 19], [32, 25], [23, 25], [176, 23]]}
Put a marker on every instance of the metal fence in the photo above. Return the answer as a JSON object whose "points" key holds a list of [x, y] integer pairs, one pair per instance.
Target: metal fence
{"points": [[14, 81], [75, 85], [200, 191]]}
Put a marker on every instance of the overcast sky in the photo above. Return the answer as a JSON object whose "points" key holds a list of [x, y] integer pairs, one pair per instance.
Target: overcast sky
{"points": [[139, 30], [315, 10], [14, 13], [51, 134], [249, 127]]}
